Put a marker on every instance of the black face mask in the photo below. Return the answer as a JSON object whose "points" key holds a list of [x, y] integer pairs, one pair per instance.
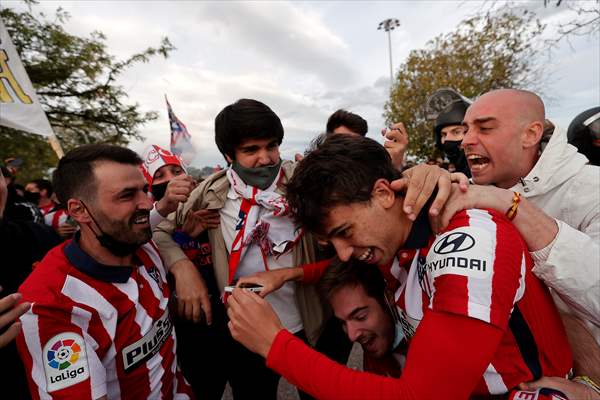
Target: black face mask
{"points": [[32, 197], [159, 190], [456, 156], [115, 246]]}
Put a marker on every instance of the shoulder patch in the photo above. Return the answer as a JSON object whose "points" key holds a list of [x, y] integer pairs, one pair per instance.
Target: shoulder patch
{"points": [[65, 361], [467, 251]]}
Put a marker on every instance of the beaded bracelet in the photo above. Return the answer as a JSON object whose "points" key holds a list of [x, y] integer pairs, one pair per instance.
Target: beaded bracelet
{"points": [[511, 213], [587, 381]]}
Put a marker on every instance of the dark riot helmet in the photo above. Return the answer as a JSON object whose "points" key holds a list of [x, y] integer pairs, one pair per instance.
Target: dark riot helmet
{"points": [[584, 133], [452, 115]]}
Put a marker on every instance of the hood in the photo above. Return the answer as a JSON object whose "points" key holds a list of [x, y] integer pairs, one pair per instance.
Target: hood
{"points": [[558, 162]]}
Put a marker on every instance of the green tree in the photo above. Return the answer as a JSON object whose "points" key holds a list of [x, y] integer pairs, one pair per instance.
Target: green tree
{"points": [[75, 79], [483, 53]]}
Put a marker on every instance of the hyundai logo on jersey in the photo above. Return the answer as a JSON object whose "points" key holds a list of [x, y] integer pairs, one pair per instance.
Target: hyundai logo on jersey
{"points": [[455, 242]]}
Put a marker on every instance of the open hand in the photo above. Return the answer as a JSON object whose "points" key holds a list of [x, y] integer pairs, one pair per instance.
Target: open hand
{"points": [[10, 311], [197, 222], [420, 181]]}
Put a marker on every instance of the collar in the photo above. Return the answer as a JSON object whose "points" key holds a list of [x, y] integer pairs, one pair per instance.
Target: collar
{"points": [[421, 230], [89, 266]]}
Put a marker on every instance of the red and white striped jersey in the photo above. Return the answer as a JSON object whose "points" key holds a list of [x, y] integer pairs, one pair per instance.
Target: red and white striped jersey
{"points": [[56, 218], [96, 330], [480, 267]]}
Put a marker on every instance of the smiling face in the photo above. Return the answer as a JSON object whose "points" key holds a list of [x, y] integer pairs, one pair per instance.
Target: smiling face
{"points": [[254, 153], [121, 206], [370, 231], [364, 319], [503, 130]]}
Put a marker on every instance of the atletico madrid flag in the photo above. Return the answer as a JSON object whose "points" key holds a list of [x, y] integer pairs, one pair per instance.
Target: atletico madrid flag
{"points": [[181, 140]]}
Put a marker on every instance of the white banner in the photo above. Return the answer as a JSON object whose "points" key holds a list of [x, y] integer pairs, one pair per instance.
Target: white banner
{"points": [[19, 105]]}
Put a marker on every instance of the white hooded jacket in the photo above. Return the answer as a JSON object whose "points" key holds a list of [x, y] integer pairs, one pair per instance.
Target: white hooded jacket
{"points": [[567, 188]]}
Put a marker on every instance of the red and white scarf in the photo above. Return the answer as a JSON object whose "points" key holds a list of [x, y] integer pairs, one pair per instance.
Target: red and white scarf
{"points": [[264, 220]]}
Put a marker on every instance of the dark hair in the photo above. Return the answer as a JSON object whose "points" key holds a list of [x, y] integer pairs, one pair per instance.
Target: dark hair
{"points": [[245, 119], [352, 121], [352, 273], [342, 170], [43, 184], [74, 176]]}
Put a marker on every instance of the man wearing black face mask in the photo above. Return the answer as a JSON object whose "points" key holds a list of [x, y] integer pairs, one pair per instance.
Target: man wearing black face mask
{"points": [[255, 232], [449, 133], [100, 323]]}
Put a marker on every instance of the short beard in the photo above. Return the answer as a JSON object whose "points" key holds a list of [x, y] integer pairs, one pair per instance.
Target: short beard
{"points": [[123, 231]]}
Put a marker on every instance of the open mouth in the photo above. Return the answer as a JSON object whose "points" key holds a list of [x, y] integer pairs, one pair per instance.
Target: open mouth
{"points": [[141, 219], [367, 343], [477, 162], [367, 256]]}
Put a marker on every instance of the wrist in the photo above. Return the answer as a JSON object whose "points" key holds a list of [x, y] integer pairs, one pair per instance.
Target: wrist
{"points": [[161, 208], [294, 274]]}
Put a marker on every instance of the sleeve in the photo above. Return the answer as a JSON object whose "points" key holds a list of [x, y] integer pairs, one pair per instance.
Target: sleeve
{"points": [[314, 271], [155, 217], [162, 234], [477, 268], [442, 349], [571, 267], [60, 357]]}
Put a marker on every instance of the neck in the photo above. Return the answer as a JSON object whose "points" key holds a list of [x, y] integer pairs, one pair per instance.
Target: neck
{"points": [[92, 247], [525, 169]]}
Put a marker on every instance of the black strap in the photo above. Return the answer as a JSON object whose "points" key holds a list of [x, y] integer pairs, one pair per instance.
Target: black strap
{"points": [[526, 342]]}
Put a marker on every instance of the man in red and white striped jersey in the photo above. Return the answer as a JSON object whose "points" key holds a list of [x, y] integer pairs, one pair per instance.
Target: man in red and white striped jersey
{"points": [[99, 326], [477, 321]]}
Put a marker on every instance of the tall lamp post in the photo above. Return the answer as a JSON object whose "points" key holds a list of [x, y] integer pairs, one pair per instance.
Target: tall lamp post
{"points": [[389, 25]]}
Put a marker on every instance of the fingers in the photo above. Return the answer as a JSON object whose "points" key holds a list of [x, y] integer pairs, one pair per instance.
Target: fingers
{"points": [[396, 133], [461, 179], [9, 301], [444, 186], [413, 192], [207, 308], [10, 334], [400, 185], [10, 314]]}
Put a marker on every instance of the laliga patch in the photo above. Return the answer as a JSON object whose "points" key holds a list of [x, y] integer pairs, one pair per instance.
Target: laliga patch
{"points": [[65, 361], [467, 251]]}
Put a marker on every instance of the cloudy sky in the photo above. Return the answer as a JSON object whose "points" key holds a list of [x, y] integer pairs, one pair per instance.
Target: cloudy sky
{"points": [[303, 59]]}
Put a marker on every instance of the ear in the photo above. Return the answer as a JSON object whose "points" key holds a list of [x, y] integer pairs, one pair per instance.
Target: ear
{"points": [[532, 134], [77, 211], [383, 193], [229, 160]]}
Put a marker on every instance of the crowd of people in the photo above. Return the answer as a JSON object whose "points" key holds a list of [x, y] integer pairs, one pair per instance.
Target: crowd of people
{"points": [[477, 276]]}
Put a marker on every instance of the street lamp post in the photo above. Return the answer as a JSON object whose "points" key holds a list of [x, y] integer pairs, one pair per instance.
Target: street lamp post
{"points": [[389, 25]]}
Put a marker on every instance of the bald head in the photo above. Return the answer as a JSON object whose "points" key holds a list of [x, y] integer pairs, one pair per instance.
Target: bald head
{"points": [[523, 106]]}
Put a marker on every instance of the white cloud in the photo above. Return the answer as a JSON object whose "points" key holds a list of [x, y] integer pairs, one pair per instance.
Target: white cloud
{"points": [[303, 59]]}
